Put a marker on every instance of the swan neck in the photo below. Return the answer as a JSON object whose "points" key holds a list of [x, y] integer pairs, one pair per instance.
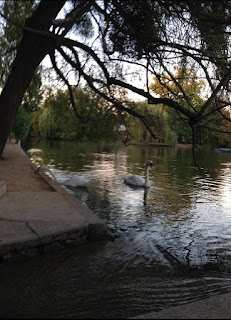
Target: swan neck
{"points": [[147, 176]]}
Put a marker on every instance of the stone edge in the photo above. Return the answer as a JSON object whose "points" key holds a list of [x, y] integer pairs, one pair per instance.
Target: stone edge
{"points": [[53, 242]]}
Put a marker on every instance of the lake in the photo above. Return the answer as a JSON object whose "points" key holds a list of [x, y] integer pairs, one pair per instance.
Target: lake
{"points": [[172, 240]]}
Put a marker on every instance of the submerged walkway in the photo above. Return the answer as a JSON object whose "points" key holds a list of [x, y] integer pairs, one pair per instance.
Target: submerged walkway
{"points": [[36, 213]]}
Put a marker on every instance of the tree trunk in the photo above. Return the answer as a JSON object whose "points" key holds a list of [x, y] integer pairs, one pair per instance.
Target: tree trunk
{"points": [[31, 51]]}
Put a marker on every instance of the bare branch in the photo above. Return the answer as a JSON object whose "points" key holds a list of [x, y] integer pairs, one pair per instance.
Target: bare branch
{"points": [[61, 75], [214, 93], [73, 17]]}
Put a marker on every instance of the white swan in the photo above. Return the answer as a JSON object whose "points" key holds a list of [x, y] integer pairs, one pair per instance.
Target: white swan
{"points": [[139, 181], [76, 181]]}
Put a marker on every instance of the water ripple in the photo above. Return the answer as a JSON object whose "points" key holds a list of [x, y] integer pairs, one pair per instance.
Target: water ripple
{"points": [[172, 241]]}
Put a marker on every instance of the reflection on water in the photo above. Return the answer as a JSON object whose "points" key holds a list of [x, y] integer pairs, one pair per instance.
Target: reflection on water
{"points": [[172, 240]]}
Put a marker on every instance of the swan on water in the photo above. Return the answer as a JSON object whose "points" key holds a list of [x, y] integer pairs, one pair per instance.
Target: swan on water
{"points": [[137, 180], [76, 181]]}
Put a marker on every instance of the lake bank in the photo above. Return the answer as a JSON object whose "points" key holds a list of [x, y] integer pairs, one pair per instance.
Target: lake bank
{"points": [[179, 145], [36, 213]]}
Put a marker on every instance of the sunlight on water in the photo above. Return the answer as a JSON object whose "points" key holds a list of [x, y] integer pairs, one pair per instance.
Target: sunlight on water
{"points": [[184, 212]]}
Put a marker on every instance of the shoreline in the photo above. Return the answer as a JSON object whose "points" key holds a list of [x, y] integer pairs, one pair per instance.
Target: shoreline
{"points": [[179, 145], [37, 214]]}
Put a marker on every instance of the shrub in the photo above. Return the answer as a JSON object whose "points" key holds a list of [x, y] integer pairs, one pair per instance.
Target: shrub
{"points": [[21, 125]]}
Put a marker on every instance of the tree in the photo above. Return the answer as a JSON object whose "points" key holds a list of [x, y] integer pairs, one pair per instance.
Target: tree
{"points": [[95, 120], [176, 85], [16, 12], [11, 34], [34, 94], [31, 51], [223, 139], [159, 119], [21, 124], [146, 36]]}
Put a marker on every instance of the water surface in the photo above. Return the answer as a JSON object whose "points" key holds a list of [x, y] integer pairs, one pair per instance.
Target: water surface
{"points": [[172, 241]]}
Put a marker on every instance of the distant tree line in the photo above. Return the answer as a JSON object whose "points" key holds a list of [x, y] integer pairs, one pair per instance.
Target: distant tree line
{"points": [[94, 119]]}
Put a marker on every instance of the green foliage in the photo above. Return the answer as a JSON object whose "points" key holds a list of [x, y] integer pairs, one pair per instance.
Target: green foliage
{"points": [[10, 33], [22, 124], [220, 136], [134, 32], [158, 119], [27, 111], [34, 93], [57, 119], [184, 82], [208, 16], [183, 130]]}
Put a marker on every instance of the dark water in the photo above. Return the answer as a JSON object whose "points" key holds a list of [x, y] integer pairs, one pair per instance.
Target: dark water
{"points": [[172, 243]]}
